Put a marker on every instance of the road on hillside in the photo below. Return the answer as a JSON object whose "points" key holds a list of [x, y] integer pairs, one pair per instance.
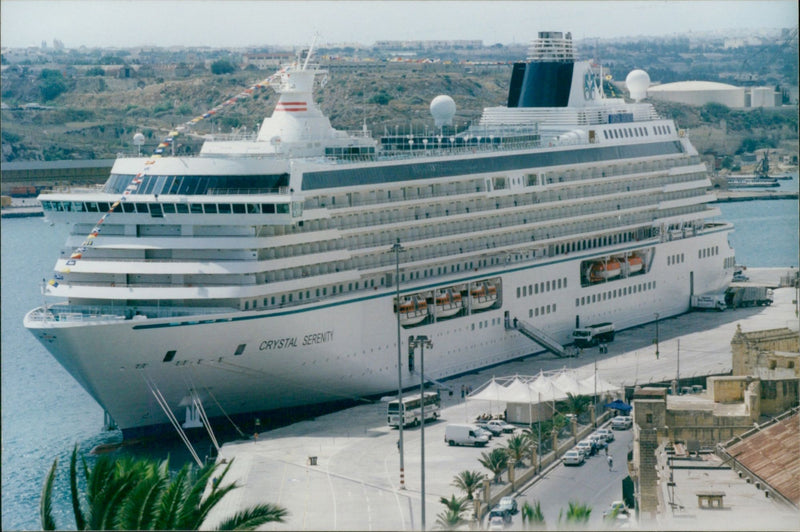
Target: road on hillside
{"points": [[591, 483]]}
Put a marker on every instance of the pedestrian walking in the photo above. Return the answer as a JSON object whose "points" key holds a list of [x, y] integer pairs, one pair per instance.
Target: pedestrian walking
{"points": [[610, 463], [463, 391], [606, 449]]}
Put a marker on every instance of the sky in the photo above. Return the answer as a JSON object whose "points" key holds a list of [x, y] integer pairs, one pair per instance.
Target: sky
{"points": [[215, 23]]}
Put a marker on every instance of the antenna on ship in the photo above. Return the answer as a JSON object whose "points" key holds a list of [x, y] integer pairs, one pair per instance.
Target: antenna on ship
{"points": [[310, 50]]}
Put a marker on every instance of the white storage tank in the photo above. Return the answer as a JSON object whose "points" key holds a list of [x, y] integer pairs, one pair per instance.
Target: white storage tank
{"points": [[699, 93]]}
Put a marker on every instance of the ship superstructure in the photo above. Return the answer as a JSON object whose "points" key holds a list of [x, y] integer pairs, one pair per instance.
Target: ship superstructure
{"points": [[259, 274]]}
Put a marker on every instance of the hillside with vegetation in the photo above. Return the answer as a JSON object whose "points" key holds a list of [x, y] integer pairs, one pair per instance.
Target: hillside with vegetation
{"points": [[63, 103], [95, 117]]}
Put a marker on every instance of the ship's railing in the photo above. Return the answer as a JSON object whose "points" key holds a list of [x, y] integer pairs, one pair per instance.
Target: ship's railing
{"points": [[389, 154], [243, 191], [233, 135], [105, 313]]}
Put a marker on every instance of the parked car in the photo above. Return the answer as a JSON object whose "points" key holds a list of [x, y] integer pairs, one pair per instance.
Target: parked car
{"points": [[622, 422], [502, 425], [496, 523], [461, 434], [599, 440], [485, 432], [573, 457], [585, 447], [508, 504], [495, 431], [607, 434], [504, 514], [617, 508]]}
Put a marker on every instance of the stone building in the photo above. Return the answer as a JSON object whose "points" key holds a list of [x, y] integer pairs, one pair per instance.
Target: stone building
{"points": [[765, 382], [773, 357]]}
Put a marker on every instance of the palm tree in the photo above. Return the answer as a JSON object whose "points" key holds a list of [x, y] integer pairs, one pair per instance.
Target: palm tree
{"points": [[557, 423], [518, 446], [532, 516], [453, 515], [449, 520], [577, 515], [577, 404], [468, 482], [140, 494], [495, 461]]}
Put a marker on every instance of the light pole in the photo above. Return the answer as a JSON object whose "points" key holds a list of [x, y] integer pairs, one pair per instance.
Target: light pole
{"points": [[397, 248], [656, 335], [422, 342]]}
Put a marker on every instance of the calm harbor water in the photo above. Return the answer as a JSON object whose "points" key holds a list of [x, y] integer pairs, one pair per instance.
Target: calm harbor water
{"points": [[45, 412]]}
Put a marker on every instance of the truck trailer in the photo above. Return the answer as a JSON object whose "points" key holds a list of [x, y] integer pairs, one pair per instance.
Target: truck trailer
{"points": [[748, 296]]}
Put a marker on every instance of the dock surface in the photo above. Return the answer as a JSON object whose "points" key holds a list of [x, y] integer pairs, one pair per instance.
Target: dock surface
{"points": [[355, 484]]}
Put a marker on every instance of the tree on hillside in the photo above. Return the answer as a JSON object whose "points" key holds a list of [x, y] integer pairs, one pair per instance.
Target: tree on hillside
{"points": [[141, 494], [222, 66], [51, 84]]}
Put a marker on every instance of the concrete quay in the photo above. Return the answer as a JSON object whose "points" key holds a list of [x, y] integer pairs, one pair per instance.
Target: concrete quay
{"points": [[355, 484]]}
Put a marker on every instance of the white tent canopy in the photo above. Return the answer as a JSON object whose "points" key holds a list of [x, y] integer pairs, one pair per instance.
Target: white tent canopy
{"points": [[491, 391], [540, 388]]}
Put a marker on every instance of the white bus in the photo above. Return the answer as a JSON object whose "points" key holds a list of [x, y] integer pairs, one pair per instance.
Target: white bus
{"points": [[412, 406]]}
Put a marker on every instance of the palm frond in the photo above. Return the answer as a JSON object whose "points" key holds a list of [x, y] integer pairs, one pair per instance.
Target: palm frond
{"points": [[191, 504], [140, 507], [46, 501], [254, 517], [169, 508], [80, 520]]}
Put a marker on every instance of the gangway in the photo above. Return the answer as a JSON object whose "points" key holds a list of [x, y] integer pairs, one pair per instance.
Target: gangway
{"points": [[431, 380], [541, 338]]}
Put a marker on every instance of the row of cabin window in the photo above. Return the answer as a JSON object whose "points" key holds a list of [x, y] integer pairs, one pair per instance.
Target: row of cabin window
{"points": [[707, 252], [627, 132], [485, 324], [675, 259], [541, 311], [613, 294], [730, 262], [307, 294], [543, 286], [168, 208]]}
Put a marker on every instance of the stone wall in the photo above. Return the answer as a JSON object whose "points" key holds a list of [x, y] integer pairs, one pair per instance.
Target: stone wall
{"points": [[746, 348]]}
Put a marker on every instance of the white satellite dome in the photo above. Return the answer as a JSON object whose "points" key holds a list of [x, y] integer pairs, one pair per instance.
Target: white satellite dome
{"points": [[138, 139], [637, 82], [443, 109]]}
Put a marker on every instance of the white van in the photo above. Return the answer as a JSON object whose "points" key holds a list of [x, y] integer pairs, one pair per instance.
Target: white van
{"points": [[464, 435]]}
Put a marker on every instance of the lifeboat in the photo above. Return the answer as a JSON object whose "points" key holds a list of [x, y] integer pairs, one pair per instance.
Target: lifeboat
{"points": [[635, 264], [413, 311], [448, 303], [483, 295], [603, 271]]}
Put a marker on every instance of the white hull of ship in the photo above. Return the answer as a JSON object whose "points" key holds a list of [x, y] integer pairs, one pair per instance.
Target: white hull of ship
{"points": [[346, 348]]}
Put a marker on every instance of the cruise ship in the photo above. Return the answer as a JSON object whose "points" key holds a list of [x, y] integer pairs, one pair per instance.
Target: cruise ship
{"points": [[264, 273]]}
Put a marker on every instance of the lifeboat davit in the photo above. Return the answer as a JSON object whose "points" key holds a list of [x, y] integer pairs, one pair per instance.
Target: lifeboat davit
{"points": [[413, 311], [602, 271], [483, 296], [448, 303]]}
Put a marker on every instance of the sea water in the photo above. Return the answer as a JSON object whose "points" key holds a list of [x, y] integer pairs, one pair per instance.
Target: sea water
{"points": [[45, 412]]}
